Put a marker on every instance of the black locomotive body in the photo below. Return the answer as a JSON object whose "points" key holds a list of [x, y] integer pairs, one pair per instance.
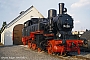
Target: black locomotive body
{"points": [[52, 34]]}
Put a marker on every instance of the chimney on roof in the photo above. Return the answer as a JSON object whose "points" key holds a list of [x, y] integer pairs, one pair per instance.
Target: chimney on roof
{"points": [[21, 12]]}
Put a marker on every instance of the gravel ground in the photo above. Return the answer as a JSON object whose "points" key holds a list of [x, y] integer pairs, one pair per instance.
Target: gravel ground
{"points": [[85, 54], [20, 52], [23, 53]]}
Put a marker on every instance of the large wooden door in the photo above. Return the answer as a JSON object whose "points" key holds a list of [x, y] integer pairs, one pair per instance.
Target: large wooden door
{"points": [[17, 34]]}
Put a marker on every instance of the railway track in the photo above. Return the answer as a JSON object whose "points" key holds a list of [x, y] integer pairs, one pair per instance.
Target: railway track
{"points": [[81, 57], [71, 56]]}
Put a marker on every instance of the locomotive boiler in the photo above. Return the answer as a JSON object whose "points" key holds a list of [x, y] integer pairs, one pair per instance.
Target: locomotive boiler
{"points": [[52, 34]]}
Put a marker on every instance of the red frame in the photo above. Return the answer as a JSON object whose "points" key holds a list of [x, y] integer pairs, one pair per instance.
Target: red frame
{"points": [[53, 46], [57, 46]]}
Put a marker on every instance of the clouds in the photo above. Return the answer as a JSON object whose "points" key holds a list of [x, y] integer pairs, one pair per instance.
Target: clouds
{"points": [[80, 3], [78, 9], [77, 22]]}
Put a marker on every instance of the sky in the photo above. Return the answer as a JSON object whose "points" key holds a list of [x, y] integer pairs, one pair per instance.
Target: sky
{"points": [[78, 9]]}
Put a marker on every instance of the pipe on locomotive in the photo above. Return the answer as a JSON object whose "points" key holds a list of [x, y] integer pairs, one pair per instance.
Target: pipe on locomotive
{"points": [[51, 13], [62, 10]]}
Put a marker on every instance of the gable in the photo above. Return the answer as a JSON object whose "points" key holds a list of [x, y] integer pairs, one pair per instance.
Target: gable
{"points": [[7, 34], [31, 10]]}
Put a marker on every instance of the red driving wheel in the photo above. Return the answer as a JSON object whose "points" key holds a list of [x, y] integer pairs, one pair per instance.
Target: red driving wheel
{"points": [[39, 50], [33, 46], [29, 44], [50, 49]]}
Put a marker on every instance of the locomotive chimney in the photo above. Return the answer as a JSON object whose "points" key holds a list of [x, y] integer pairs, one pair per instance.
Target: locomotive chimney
{"points": [[61, 8], [52, 13]]}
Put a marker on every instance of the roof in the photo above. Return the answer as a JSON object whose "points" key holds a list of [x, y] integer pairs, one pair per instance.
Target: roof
{"points": [[86, 35], [12, 22]]}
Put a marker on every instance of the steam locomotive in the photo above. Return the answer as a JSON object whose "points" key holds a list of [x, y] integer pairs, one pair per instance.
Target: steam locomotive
{"points": [[52, 34]]}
